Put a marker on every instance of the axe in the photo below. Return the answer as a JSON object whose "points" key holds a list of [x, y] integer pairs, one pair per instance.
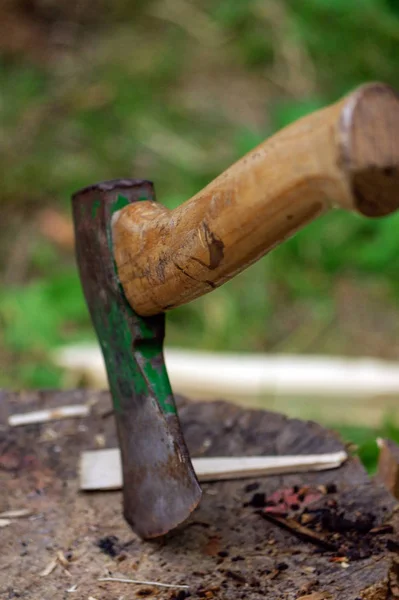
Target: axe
{"points": [[137, 259]]}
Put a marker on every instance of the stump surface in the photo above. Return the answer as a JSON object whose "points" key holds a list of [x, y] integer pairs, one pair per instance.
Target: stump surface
{"points": [[225, 551]]}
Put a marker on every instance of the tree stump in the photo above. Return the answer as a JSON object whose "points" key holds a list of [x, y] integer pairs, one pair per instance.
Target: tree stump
{"points": [[226, 550]]}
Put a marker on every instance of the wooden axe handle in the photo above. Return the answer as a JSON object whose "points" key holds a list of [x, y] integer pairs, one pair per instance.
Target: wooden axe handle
{"points": [[346, 155]]}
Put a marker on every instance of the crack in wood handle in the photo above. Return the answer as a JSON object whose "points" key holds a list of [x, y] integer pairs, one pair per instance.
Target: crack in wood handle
{"points": [[346, 155]]}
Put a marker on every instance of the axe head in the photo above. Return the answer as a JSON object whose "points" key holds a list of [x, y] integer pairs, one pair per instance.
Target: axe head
{"points": [[160, 488]]}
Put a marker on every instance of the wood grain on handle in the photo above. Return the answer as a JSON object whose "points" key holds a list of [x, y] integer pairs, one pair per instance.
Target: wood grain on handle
{"points": [[346, 155]]}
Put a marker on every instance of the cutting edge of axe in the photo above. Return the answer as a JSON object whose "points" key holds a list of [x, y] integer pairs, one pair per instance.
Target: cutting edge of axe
{"points": [[137, 259], [345, 155]]}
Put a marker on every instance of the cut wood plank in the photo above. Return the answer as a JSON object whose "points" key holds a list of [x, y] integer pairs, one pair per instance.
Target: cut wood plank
{"points": [[42, 416], [101, 469]]}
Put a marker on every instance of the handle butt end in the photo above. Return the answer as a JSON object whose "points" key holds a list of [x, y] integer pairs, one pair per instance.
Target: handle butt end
{"points": [[369, 132]]}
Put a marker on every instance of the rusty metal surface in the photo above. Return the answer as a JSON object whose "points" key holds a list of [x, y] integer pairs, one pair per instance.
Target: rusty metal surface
{"points": [[160, 487]]}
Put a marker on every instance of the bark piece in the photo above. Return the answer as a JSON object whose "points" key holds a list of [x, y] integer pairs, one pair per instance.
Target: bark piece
{"points": [[388, 465]]}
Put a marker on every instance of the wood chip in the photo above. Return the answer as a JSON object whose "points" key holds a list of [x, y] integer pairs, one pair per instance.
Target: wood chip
{"points": [[61, 559], [100, 440], [101, 469], [5, 522], [16, 514], [316, 596], [49, 568], [388, 465], [153, 583], [72, 589], [43, 416]]}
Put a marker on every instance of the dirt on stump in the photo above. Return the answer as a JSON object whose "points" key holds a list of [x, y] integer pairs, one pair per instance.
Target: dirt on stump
{"points": [[331, 534]]}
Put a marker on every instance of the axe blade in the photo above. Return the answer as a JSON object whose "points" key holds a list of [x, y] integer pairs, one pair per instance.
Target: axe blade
{"points": [[160, 489]]}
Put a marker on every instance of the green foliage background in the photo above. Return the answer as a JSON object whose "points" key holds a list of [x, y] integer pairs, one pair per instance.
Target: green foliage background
{"points": [[175, 91]]}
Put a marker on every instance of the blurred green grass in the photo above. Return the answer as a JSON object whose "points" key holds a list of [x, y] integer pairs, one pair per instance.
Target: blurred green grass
{"points": [[175, 91]]}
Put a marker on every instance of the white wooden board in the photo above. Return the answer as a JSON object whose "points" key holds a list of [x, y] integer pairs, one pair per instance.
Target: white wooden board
{"points": [[101, 469]]}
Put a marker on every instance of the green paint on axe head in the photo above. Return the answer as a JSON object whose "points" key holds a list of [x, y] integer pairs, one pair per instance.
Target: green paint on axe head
{"points": [[160, 487]]}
